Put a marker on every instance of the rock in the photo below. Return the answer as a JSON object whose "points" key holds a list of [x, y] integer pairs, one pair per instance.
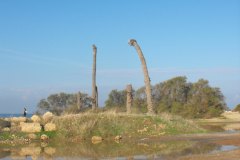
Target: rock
{"points": [[6, 129], [32, 136], [96, 139], [44, 137], [36, 119], [4, 123], [31, 127], [47, 117], [18, 119], [50, 127], [117, 138]]}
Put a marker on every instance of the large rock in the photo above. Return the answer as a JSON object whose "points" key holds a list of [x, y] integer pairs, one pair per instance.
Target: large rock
{"points": [[96, 139], [31, 127], [47, 117], [18, 119], [50, 127], [4, 124], [36, 119]]}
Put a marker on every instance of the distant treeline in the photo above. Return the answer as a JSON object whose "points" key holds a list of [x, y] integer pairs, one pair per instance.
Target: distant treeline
{"points": [[176, 96]]}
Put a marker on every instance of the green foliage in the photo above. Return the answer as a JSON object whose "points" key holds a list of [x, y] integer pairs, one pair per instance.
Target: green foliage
{"points": [[110, 124], [116, 99], [177, 96], [237, 108], [63, 102]]}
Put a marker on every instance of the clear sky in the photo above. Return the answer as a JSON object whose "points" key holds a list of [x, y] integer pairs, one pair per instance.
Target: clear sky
{"points": [[46, 46]]}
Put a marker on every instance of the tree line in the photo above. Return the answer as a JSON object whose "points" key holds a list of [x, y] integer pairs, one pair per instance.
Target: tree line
{"points": [[176, 96]]}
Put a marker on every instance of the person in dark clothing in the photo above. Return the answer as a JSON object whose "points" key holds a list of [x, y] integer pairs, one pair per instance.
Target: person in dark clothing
{"points": [[25, 112]]}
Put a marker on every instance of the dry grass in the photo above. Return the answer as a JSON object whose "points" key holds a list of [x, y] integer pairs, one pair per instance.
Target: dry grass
{"points": [[110, 124], [227, 116]]}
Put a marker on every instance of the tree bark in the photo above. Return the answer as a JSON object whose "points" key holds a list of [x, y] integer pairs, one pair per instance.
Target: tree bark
{"points": [[148, 90], [79, 101], [94, 98], [129, 98]]}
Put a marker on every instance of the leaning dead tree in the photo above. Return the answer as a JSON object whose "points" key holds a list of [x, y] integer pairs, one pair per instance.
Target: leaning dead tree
{"points": [[79, 101], [148, 90], [94, 86], [129, 98]]}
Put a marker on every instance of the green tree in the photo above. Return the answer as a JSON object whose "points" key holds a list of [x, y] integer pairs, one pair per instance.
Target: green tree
{"points": [[116, 99], [237, 108], [59, 103]]}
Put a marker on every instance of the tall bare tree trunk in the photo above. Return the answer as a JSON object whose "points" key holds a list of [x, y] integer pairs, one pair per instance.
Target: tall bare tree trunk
{"points": [[79, 101], [129, 98], [94, 95], [148, 90]]}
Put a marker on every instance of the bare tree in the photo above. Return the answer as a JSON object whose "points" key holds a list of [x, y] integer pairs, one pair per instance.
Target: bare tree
{"points": [[94, 87], [133, 43], [129, 98]]}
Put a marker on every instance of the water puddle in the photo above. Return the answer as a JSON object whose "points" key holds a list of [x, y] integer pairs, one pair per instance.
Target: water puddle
{"points": [[112, 150]]}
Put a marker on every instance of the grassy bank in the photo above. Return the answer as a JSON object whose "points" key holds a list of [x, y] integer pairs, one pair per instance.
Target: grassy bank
{"points": [[111, 124]]}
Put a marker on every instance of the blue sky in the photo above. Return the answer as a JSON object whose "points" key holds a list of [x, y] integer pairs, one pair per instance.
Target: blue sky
{"points": [[45, 46]]}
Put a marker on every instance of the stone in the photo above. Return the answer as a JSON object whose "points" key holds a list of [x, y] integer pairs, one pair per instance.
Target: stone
{"points": [[50, 127], [47, 117], [96, 139], [4, 123], [44, 137], [36, 119], [6, 129], [117, 138], [31, 127]]}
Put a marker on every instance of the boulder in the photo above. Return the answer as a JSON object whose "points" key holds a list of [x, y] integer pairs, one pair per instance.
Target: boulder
{"points": [[117, 138], [50, 127], [44, 137], [47, 117], [4, 123], [31, 127], [36, 119], [96, 139]]}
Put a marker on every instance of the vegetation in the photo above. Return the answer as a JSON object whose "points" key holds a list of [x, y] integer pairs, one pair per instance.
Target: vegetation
{"points": [[110, 124], [177, 96], [63, 103], [237, 108]]}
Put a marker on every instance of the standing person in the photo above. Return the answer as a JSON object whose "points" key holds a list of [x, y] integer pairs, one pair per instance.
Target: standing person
{"points": [[25, 112]]}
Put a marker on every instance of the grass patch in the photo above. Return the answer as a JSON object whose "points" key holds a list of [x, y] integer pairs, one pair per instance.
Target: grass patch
{"points": [[110, 124]]}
